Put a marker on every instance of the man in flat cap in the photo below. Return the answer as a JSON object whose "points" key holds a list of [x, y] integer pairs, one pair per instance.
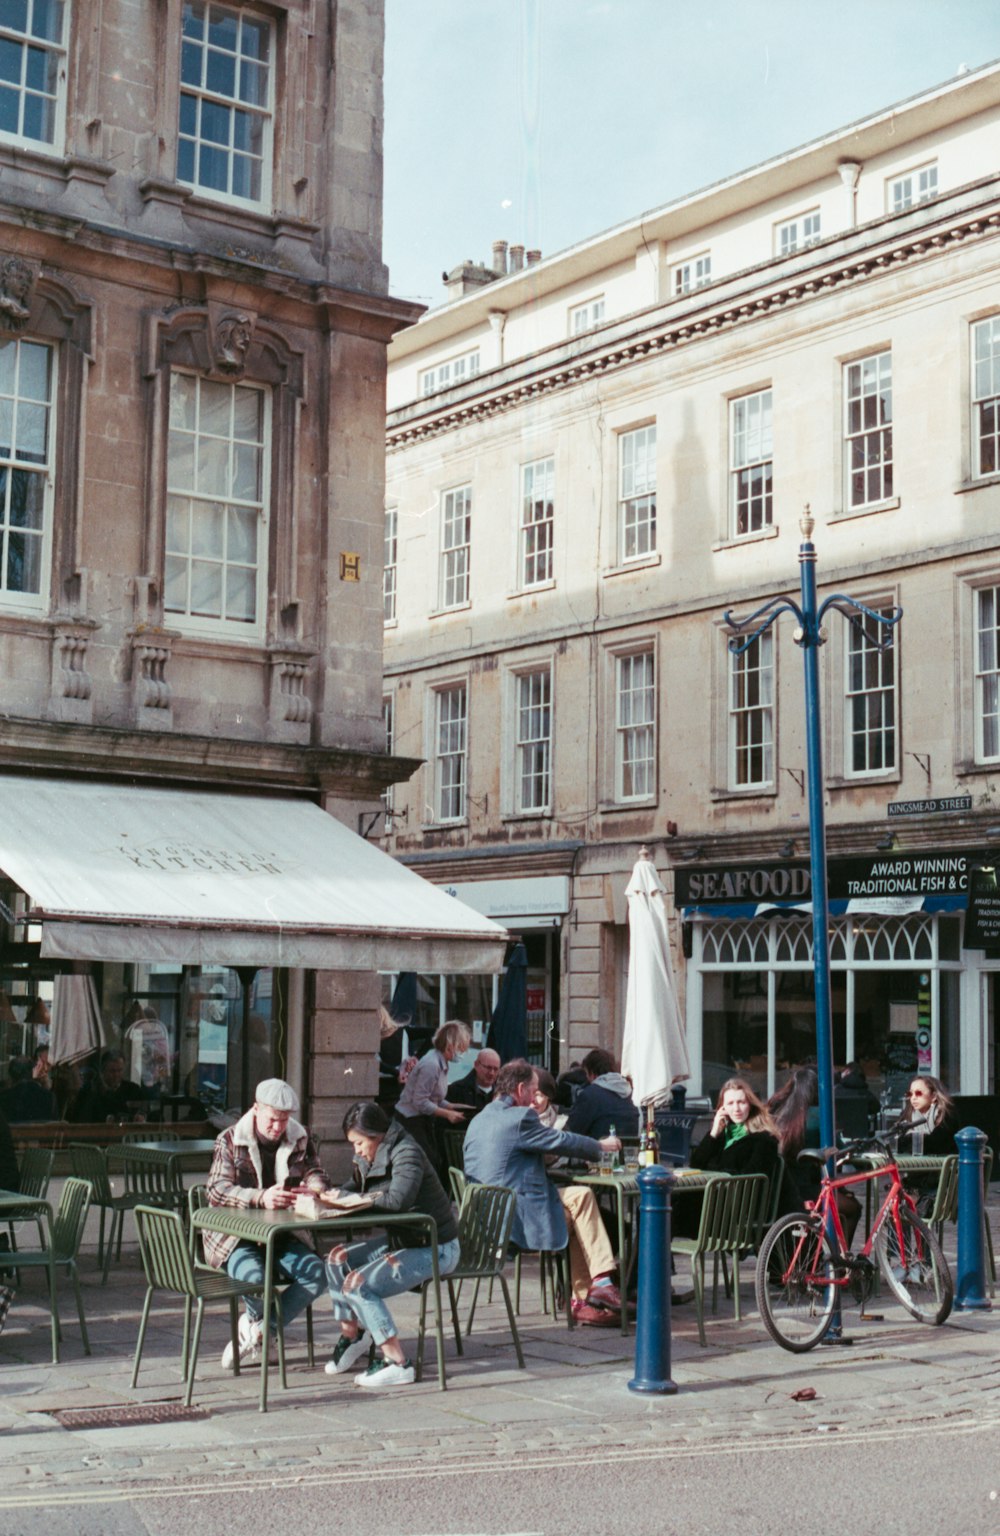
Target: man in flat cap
{"points": [[261, 1161]]}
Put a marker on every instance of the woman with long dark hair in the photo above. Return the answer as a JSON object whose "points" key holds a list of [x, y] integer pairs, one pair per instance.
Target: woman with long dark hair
{"points": [[393, 1171]]}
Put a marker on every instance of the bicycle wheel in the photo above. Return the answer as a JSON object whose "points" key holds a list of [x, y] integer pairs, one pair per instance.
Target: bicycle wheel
{"points": [[917, 1272], [794, 1283]]}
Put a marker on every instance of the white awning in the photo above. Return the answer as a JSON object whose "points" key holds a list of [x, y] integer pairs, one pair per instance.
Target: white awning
{"points": [[120, 873]]}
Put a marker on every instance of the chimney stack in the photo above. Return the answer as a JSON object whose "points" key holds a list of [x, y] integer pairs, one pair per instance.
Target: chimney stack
{"points": [[533, 257], [516, 258], [500, 258]]}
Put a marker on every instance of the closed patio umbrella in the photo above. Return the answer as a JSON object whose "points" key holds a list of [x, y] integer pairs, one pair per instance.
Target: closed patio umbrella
{"points": [[508, 1032], [654, 1051]]}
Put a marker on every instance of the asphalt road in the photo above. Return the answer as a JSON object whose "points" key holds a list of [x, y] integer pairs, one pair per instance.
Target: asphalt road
{"points": [[931, 1478]]}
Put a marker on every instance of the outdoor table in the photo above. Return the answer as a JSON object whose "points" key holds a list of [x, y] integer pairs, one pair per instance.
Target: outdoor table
{"points": [[178, 1157], [624, 1188], [15, 1207], [264, 1227]]}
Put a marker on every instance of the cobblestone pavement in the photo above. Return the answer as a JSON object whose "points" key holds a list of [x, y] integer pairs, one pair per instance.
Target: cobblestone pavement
{"points": [[571, 1403]]}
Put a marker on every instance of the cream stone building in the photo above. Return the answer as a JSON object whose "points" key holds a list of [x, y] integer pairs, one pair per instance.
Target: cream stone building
{"points": [[194, 315], [591, 456]]}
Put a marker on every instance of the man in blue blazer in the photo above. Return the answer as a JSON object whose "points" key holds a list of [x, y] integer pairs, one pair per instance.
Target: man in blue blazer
{"points": [[507, 1144]]}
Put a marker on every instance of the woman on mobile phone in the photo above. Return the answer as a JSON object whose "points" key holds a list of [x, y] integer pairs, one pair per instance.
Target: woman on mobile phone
{"points": [[741, 1140]]}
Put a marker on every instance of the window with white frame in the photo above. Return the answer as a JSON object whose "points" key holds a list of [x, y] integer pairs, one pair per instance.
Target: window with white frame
{"points": [[27, 463], [456, 533], [217, 499], [797, 234], [635, 726], [636, 494], [917, 186], [868, 429], [751, 715], [751, 465], [870, 698], [986, 396], [537, 513], [389, 565], [696, 273], [583, 317], [389, 721], [451, 721], [33, 70], [225, 125], [987, 674], [533, 740], [455, 371]]}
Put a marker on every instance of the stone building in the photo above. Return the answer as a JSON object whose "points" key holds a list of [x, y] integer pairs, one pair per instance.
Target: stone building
{"points": [[591, 456], [194, 316]]}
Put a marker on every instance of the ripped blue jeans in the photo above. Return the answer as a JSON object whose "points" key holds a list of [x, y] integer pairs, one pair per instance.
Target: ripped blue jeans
{"points": [[385, 1272]]}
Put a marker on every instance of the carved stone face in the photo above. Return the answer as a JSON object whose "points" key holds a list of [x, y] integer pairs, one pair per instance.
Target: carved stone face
{"points": [[16, 282], [232, 343]]}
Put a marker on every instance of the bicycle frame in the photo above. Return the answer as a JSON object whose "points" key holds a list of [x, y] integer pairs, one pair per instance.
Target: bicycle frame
{"points": [[826, 1209]]}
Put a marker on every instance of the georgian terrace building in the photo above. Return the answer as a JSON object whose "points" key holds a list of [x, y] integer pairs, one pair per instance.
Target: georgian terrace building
{"points": [[590, 457], [194, 315]]}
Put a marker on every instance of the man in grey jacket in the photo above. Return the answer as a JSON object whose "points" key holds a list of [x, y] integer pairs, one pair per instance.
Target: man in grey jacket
{"points": [[507, 1144]]}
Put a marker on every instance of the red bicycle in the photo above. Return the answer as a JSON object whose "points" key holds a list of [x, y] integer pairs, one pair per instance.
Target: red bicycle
{"points": [[805, 1261]]}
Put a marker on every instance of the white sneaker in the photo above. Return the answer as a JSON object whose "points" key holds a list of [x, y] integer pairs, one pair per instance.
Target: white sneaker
{"points": [[249, 1334], [347, 1353], [382, 1375]]}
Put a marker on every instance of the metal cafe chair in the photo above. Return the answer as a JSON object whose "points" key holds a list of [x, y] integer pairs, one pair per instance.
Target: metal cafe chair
{"points": [[731, 1215], [169, 1267], [484, 1224], [90, 1163], [67, 1230], [197, 1199], [35, 1172]]}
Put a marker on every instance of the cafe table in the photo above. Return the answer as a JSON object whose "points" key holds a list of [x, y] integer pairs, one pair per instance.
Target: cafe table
{"points": [[622, 1186], [264, 1227], [15, 1207]]}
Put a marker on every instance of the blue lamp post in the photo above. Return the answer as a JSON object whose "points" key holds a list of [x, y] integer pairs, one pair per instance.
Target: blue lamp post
{"points": [[810, 636]]}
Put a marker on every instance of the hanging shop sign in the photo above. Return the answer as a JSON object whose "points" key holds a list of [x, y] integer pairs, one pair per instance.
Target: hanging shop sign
{"points": [[982, 920]]}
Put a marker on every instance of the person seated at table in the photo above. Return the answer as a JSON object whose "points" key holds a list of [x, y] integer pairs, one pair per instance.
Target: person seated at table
{"points": [[394, 1172], [29, 1096], [742, 1139], [10, 1179], [260, 1162], [605, 1102], [475, 1089], [929, 1101], [795, 1116], [109, 1095], [507, 1144], [546, 1101], [424, 1099]]}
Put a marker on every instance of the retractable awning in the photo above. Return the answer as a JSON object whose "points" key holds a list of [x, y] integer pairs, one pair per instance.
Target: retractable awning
{"points": [[134, 873]]}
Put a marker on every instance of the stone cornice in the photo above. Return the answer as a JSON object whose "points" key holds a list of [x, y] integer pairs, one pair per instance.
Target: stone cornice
{"points": [[861, 256], [66, 748], [495, 862]]}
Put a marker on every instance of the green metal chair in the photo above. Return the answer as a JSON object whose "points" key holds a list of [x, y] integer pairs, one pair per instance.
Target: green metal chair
{"points": [[731, 1216], [150, 1181], [90, 1163], [458, 1182], [944, 1207], [35, 1171], [197, 1199], [484, 1224], [170, 1267], [67, 1230]]}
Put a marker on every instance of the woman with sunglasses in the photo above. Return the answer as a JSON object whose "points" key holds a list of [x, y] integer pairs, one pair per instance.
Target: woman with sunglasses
{"points": [[928, 1100]]}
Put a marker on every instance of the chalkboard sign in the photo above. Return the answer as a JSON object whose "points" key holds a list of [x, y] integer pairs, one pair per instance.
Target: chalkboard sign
{"points": [[982, 920]]}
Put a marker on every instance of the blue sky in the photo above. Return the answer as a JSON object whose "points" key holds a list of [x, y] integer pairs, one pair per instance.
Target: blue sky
{"points": [[541, 122]]}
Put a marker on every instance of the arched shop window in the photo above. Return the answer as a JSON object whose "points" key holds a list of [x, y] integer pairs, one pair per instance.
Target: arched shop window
{"points": [[895, 997]]}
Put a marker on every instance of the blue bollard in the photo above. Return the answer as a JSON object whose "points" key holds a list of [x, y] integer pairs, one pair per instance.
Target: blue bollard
{"points": [[970, 1288], [652, 1324]]}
